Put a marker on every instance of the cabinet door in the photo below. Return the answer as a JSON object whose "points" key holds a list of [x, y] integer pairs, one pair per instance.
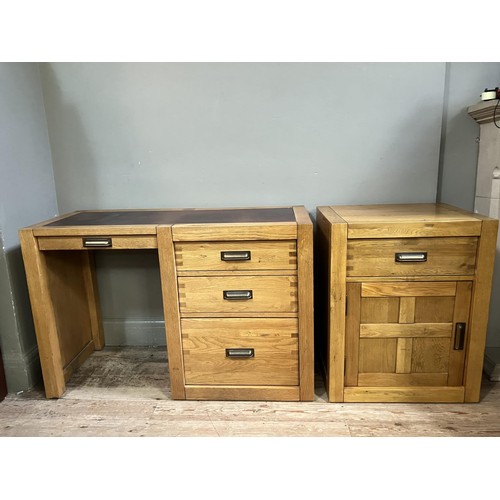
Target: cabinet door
{"points": [[406, 334]]}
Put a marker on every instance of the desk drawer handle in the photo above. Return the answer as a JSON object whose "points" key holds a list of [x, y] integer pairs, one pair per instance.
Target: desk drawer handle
{"points": [[240, 353], [237, 294], [97, 242], [236, 255], [410, 257]]}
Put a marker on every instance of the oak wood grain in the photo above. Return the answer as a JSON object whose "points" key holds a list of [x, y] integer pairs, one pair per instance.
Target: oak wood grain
{"points": [[404, 394], [336, 229], [305, 302], [376, 257], [171, 311], [263, 255], [236, 232], [76, 243], [43, 315], [275, 360], [269, 294], [480, 309]]}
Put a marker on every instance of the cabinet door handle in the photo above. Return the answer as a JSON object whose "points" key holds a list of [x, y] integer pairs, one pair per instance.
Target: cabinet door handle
{"points": [[97, 242], [410, 257], [236, 255], [237, 294], [459, 336], [240, 353]]}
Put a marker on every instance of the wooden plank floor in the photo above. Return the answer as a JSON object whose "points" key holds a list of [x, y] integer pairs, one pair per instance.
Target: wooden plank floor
{"points": [[125, 392]]}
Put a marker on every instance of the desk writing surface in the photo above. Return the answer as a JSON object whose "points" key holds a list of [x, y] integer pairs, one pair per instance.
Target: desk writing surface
{"points": [[191, 216]]}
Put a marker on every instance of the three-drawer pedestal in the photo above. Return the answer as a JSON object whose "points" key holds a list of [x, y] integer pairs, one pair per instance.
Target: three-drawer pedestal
{"points": [[405, 301]]}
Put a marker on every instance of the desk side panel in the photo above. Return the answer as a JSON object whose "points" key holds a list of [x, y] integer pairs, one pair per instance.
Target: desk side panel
{"points": [[66, 281], [306, 302], [170, 296], [44, 316]]}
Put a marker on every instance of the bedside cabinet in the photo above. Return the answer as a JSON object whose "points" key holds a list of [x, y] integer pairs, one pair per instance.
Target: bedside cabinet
{"points": [[405, 297]]}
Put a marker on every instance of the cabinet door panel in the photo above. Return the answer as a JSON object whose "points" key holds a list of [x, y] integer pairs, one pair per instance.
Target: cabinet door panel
{"points": [[434, 309], [430, 355], [377, 355], [397, 335], [380, 310]]}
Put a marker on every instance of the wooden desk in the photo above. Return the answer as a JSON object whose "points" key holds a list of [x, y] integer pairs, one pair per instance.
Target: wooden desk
{"points": [[236, 286]]}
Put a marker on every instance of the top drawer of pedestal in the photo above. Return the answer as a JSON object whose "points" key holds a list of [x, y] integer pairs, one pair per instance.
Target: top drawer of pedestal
{"points": [[236, 255]]}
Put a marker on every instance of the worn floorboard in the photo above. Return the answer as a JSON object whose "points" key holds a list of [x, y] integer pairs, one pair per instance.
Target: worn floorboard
{"points": [[125, 392]]}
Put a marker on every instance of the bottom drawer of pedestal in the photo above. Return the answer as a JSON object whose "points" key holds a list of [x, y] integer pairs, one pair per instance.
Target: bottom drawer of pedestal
{"points": [[241, 351]]}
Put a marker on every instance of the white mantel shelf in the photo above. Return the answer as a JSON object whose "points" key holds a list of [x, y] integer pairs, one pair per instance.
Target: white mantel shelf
{"points": [[484, 111]]}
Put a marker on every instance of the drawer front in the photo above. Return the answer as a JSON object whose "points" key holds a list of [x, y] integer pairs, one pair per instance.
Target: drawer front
{"points": [[96, 242], [233, 256], [412, 256], [241, 351], [238, 294]]}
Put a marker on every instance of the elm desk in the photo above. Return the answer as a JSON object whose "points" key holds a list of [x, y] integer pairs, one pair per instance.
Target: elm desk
{"points": [[236, 288]]}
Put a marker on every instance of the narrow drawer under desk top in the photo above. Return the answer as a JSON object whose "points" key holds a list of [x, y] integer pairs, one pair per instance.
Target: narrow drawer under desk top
{"points": [[97, 242], [238, 294], [236, 256], [241, 351], [411, 256]]}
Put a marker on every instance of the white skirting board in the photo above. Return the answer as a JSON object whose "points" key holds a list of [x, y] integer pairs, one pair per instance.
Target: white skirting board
{"points": [[492, 363]]}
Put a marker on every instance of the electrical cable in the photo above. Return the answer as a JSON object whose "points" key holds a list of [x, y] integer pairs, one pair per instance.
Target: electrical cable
{"points": [[495, 114]]}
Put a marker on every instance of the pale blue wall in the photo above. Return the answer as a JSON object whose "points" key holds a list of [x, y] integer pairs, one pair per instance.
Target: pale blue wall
{"points": [[27, 195], [234, 134], [242, 134], [459, 147], [227, 134], [460, 150]]}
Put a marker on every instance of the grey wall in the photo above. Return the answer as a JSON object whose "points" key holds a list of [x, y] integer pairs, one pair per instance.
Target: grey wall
{"points": [[238, 134], [234, 134], [459, 147], [459, 153], [225, 134], [27, 195]]}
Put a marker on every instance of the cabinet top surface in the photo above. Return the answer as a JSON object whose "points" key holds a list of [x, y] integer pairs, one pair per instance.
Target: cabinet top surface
{"points": [[417, 212], [172, 216]]}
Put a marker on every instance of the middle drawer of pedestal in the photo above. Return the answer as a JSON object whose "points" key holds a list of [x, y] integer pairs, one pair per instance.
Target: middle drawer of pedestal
{"points": [[241, 351], [238, 294]]}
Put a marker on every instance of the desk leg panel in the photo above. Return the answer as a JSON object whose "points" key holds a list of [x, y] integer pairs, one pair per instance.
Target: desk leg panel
{"points": [[68, 291], [171, 310], [306, 301], [94, 304], [44, 317]]}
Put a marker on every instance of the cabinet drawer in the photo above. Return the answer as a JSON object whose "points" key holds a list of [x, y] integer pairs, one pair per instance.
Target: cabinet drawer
{"points": [[412, 256], [241, 351], [236, 255], [238, 294]]}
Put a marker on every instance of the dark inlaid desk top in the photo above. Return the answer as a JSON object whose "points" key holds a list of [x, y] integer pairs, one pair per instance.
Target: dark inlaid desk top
{"points": [[186, 216]]}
